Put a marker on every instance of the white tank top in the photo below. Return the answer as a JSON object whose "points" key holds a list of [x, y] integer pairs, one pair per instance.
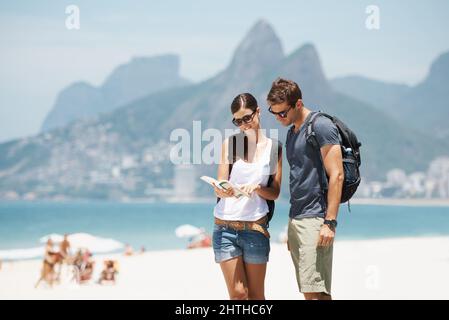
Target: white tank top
{"points": [[255, 207]]}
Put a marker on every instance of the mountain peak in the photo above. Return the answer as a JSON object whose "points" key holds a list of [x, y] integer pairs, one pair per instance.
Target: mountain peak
{"points": [[259, 49], [169, 59], [145, 66], [304, 66], [139, 76], [439, 69], [129, 81], [307, 51], [262, 26]]}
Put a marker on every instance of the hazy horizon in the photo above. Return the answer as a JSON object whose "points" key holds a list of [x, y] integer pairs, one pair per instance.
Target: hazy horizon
{"points": [[40, 56]]}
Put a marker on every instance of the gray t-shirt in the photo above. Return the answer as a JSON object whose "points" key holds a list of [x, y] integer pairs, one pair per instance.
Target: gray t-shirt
{"points": [[307, 199]]}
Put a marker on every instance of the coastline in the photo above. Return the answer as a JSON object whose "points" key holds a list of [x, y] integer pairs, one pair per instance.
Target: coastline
{"points": [[401, 202], [433, 202]]}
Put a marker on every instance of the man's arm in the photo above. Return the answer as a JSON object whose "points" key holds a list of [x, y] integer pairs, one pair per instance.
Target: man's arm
{"points": [[332, 159], [333, 163]]}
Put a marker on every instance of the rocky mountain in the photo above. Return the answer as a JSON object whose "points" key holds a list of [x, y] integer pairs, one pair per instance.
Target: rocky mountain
{"points": [[137, 78], [379, 94], [125, 153], [424, 107]]}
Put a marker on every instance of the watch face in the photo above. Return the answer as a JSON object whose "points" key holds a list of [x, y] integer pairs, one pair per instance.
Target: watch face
{"points": [[332, 223]]}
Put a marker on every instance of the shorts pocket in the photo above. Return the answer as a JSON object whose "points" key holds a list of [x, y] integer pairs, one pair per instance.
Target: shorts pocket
{"points": [[218, 228]]}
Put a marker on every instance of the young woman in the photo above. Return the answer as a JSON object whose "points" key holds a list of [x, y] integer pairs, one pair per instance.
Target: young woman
{"points": [[240, 239]]}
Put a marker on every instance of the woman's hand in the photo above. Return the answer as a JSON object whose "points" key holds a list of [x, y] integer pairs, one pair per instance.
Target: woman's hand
{"points": [[249, 188], [223, 193]]}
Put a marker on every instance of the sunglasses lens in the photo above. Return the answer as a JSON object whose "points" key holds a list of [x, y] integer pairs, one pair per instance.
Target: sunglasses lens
{"points": [[246, 119], [280, 114]]}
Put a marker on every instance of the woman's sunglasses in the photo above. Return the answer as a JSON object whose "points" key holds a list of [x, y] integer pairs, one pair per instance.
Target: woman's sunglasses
{"points": [[282, 114], [245, 119]]}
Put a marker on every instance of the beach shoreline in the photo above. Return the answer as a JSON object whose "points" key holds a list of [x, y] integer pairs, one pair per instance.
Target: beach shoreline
{"points": [[401, 202]]}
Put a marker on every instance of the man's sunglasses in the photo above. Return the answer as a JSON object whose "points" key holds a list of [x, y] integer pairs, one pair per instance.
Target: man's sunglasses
{"points": [[245, 119], [282, 114]]}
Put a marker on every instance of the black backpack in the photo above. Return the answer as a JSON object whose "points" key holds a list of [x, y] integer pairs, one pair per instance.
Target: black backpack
{"points": [[233, 154], [350, 149]]}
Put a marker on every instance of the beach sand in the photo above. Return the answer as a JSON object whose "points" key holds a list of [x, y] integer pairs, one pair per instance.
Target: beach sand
{"points": [[403, 268]]}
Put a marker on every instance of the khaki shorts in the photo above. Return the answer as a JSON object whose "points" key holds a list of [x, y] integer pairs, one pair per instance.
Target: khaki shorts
{"points": [[313, 264]]}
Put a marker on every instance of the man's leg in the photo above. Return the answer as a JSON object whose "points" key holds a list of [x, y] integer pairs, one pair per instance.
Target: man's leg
{"points": [[317, 296], [313, 264]]}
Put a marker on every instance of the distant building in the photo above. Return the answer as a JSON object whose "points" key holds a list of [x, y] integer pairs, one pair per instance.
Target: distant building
{"points": [[184, 182], [439, 173], [396, 178], [364, 190], [10, 195], [415, 185], [376, 189], [128, 162], [115, 172]]}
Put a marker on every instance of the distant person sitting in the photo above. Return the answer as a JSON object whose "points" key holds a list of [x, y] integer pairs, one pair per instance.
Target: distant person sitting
{"points": [[128, 250], [202, 240], [109, 272], [83, 266], [87, 267], [86, 275]]}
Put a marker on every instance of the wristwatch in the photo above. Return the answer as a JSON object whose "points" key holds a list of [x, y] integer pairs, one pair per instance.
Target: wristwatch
{"points": [[331, 223]]}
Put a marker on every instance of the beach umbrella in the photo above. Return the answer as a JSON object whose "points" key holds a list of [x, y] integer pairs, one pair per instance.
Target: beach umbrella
{"points": [[85, 241], [283, 236], [187, 230], [53, 236], [94, 244]]}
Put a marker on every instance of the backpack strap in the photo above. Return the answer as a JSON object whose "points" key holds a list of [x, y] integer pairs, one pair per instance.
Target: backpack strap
{"points": [[313, 141], [310, 134], [275, 151]]}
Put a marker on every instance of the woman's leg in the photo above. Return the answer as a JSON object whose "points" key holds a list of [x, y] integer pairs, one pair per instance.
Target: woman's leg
{"points": [[234, 274], [255, 274]]}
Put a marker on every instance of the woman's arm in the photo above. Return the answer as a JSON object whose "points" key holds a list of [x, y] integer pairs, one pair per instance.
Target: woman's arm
{"points": [[223, 172]]}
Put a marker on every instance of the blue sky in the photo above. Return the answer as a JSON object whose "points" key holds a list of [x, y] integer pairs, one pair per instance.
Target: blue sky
{"points": [[39, 56]]}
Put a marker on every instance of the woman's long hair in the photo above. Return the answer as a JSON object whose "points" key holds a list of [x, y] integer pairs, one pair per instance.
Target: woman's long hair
{"points": [[238, 143]]}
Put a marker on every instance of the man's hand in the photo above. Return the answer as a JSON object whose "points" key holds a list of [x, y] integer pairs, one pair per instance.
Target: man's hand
{"points": [[327, 235], [223, 193], [249, 188]]}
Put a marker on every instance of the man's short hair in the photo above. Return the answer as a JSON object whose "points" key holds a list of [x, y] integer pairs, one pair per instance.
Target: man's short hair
{"points": [[283, 90]]}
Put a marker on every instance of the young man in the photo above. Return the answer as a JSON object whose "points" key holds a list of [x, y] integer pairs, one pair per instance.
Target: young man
{"points": [[313, 210]]}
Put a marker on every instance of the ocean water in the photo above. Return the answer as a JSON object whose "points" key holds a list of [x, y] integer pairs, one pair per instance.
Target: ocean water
{"points": [[153, 225]]}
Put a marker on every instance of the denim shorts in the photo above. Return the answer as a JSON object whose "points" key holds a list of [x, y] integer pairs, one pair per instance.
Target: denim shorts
{"points": [[229, 243]]}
